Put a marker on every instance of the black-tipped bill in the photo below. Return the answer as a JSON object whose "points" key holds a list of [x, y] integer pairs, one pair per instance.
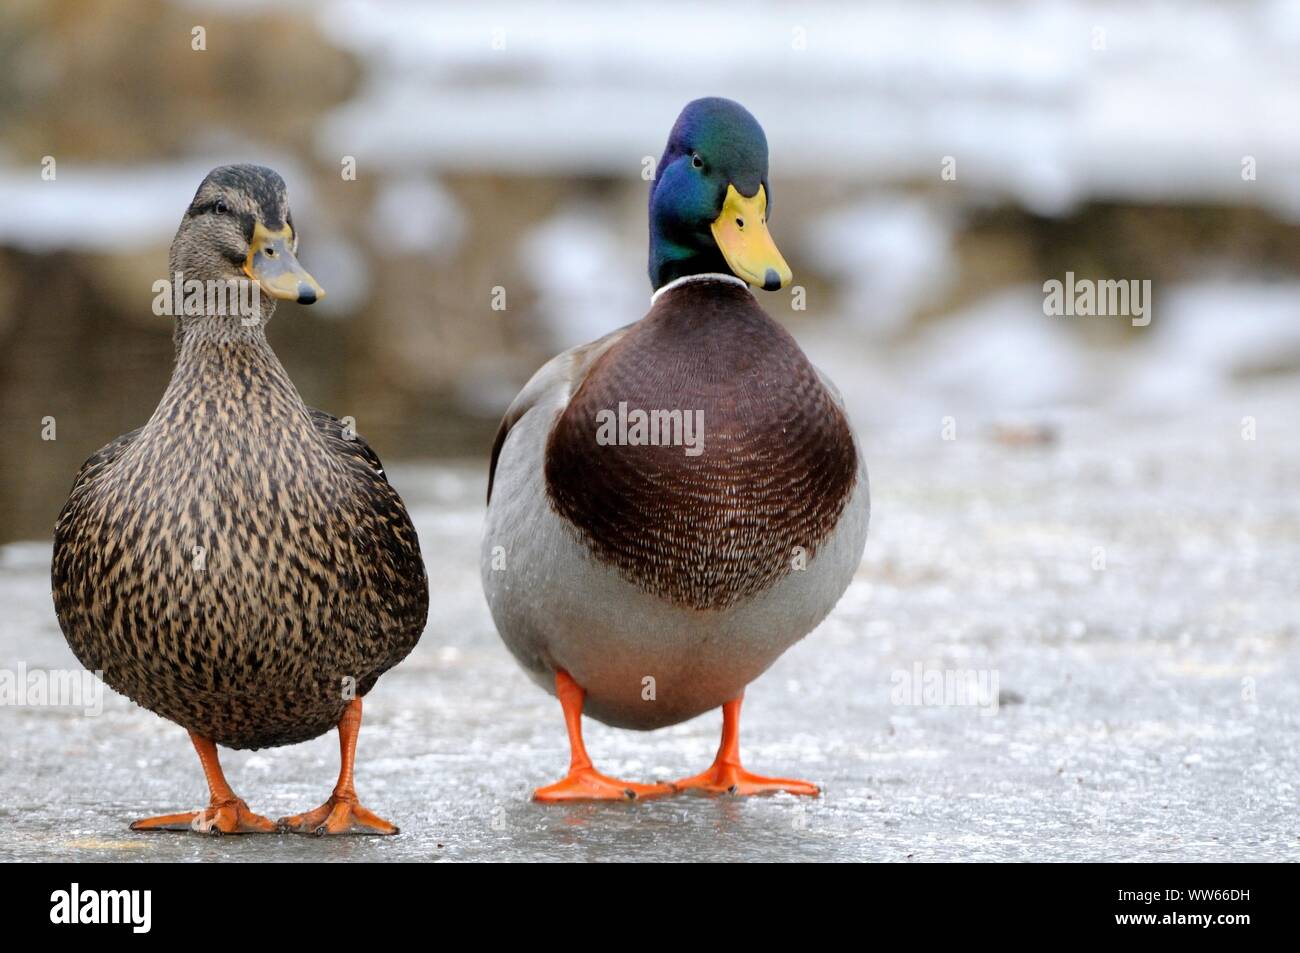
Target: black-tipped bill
{"points": [[273, 265]]}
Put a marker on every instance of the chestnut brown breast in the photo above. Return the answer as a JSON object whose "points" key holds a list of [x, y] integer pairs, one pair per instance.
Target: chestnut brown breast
{"points": [[777, 464]]}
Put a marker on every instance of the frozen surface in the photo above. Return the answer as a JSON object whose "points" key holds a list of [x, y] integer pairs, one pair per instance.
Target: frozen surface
{"points": [[1149, 708]]}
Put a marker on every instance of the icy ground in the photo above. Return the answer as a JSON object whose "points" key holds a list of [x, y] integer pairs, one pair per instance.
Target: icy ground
{"points": [[1149, 708]]}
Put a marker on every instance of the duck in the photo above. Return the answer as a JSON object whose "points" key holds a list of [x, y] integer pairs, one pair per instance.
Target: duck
{"points": [[673, 505], [240, 564]]}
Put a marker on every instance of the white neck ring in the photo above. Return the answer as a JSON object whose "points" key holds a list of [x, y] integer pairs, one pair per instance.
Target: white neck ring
{"points": [[691, 279]]}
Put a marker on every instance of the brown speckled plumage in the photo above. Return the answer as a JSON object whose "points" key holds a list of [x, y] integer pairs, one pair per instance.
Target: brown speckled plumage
{"points": [[777, 467], [310, 572]]}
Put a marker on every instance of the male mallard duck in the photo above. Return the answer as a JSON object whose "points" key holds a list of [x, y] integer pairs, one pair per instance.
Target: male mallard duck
{"points": [[239, 564], [674, 505]]}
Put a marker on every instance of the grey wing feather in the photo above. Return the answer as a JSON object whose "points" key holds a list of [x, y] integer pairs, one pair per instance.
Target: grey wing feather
{"points": [[560, 377]]}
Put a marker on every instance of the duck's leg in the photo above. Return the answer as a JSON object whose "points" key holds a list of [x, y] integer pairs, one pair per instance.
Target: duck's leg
{"points": [[225, 814], [726, 776], [342, 813], [584, 782]]}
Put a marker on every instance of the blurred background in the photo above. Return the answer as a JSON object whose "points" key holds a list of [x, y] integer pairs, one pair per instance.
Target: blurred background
{"points": [[506, 146]]}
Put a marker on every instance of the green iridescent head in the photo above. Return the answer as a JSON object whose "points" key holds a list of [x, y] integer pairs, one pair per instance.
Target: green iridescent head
{"points": [[709, 202]]}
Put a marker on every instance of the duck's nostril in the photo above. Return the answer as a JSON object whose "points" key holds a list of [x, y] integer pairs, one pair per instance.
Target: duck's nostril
{"points": [[740, 222]]}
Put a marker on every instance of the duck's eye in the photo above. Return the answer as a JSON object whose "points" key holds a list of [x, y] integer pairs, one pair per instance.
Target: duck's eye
{"points": [[697, 161], [220, 207]]}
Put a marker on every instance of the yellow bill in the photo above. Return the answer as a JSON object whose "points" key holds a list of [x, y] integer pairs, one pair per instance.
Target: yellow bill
{"points": [[273, 265], [742, 235]]}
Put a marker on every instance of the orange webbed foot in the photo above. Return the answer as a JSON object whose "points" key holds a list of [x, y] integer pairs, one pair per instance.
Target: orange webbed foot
{"points": [[226, 817], [726, 776], [338, 815], [342, 813], [588, 784], [584, 782], [733, 779]]}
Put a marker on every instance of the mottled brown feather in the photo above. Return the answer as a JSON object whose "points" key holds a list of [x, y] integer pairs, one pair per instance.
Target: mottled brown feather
{"points": [[312, 571]]}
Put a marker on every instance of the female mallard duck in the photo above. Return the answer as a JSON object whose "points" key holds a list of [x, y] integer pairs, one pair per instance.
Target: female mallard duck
{"points": [[674, 505], [239, 564]]}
